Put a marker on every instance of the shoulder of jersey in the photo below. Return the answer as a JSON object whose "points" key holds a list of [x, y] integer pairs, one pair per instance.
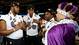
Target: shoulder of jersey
{"points": [[19, 15], [3, 16], [25, 16], [37, 16]]}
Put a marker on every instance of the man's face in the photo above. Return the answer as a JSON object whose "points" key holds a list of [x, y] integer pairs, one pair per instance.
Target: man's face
{"points": [[16, 9], [59, 16], [30, 11], [47, 15]]}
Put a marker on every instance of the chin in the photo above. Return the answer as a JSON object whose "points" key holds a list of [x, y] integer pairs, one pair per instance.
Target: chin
{"points": [[17, 12]]}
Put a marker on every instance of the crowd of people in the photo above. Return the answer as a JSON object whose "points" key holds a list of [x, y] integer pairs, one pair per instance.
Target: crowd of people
{"points": [[52, 28]]}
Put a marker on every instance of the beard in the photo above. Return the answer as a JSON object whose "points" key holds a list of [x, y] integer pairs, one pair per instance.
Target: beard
{"points": [[16, 11]]}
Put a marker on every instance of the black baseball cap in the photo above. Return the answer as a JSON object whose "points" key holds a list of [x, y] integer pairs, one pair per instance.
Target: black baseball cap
{"points": [[49, 10], [30, 7]]}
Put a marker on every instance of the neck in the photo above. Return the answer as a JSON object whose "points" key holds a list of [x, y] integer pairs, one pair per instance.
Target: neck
{"points": [[14, 13], [31, 15], [50, 18]]}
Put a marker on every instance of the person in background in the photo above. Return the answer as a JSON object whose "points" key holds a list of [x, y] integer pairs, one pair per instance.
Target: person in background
{"points": [[31, 20], [49, 21], [13, 33], [1, 37], [63, 33], [77, 32], [42, 22]]}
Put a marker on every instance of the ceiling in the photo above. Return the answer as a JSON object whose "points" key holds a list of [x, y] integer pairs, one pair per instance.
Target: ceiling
{"points": [[35, 2], [38, 3]]}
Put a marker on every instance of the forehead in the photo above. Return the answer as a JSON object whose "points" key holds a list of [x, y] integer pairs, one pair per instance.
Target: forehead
{"points": [[16, 6], [31, 9], [47, 12]]}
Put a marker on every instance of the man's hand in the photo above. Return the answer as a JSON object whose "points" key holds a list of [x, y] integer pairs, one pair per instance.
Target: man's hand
{"points": [[6, 32], [35, 21], [18, 26]]}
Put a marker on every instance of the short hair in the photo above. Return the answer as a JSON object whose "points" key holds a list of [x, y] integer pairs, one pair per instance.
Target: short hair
{"points": [[14, 4]]}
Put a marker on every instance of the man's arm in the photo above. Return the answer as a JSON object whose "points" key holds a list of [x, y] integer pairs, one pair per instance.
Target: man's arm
{"points": [[3, 30], [6, 32]]}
